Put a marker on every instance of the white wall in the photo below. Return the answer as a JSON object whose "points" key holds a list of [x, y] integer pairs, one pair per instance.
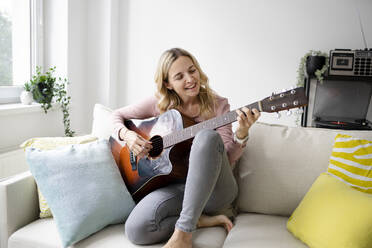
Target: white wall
{"points": [[76, 63], [17, 127], [247, 48], [93, 55], [109, 49]]}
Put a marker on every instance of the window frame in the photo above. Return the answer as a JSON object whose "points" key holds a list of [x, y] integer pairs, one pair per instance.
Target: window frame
{"points": [[11, 94], [37, 35]]}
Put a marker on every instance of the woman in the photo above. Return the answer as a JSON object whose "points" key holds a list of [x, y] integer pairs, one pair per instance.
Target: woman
{"points": [[173, 212]]}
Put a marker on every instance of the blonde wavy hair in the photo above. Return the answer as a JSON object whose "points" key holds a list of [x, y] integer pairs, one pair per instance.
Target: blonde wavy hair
{"points": [[168, 99]]}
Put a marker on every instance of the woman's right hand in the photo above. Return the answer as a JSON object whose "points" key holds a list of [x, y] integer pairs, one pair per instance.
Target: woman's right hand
{"points": [[135, 142]]}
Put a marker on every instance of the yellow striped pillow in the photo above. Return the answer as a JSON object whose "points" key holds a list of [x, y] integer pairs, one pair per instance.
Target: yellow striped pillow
{"points": [[351, 162]]}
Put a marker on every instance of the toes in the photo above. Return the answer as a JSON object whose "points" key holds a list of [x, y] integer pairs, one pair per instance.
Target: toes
{"points": [[228, 227]]}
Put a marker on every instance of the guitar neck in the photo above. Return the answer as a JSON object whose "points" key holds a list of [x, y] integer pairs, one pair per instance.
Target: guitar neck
{"points": [[214, 123]]}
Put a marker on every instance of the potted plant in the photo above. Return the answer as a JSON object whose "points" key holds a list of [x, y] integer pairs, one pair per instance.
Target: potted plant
{"points": [[313, 63], [45, 88], [26, 95]]}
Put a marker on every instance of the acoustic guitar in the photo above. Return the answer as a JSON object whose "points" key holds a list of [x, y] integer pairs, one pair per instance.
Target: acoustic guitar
{"points": [[171, 135]]}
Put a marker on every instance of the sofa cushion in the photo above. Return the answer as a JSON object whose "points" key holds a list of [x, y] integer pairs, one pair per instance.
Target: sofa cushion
{"points": [[49, 143], [43, 234], [333, 215], [83, 187], [103, 125], [351, 162], [263, 231], [280, 163]]}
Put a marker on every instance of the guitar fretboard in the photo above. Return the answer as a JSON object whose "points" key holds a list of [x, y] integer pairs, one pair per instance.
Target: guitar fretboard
{"points": [[190, 132]]}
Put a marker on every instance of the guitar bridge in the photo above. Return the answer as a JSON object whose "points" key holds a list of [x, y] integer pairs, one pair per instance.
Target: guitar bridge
{"points": [[133, 161]]}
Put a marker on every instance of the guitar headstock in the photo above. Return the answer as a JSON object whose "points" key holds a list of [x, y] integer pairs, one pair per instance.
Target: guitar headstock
{"points": [[294, 98]]}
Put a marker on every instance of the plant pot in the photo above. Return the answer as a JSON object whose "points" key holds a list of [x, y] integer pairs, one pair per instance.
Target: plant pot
{"points": [[26, 97], [43, 92], [314, 63]]}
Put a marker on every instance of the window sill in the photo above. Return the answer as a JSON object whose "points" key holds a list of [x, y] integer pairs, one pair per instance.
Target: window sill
{"points": [[19, 108]]}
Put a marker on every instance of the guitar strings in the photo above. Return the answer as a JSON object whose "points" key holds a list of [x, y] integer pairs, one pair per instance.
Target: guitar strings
{"points": [[157, 143]]}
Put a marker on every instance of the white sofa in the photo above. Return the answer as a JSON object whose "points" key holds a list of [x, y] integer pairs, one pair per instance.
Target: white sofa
{"points": [[276, 170]]}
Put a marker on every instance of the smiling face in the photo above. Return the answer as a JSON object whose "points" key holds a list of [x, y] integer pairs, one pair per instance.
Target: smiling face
{"points": [[184, 79]]}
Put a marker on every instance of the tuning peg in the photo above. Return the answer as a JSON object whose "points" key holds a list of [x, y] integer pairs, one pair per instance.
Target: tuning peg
{"points": [[277, 115], [289, 112], [272, 96]]}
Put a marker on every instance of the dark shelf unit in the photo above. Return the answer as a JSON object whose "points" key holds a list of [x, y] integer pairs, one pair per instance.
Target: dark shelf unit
{"points": [[331, 78]]}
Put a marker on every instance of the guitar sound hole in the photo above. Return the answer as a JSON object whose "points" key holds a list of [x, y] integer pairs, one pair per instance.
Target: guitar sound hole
{"points": [[157, 146]]}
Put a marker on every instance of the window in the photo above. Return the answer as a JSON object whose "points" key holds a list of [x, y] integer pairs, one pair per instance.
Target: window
{"points": [[20, 29]]}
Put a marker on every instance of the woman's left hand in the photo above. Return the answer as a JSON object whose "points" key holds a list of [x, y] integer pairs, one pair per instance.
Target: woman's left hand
{"points": [[246, 118]]}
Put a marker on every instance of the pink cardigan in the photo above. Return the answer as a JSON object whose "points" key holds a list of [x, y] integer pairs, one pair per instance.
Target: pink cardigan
{"points": [[148, 108]]}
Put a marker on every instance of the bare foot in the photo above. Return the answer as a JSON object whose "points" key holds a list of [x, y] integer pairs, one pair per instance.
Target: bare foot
{"points": [[217, 220], [179, 239]]}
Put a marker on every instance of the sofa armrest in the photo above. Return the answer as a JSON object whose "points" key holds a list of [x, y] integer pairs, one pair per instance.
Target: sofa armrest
{"points": [[19, 204]]}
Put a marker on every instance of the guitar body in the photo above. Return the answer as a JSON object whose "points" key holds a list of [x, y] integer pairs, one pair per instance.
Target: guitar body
{"points": [[147, 174]]}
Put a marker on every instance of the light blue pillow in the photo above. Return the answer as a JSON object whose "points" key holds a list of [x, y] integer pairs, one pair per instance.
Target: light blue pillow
{"points": [[82, 186]]}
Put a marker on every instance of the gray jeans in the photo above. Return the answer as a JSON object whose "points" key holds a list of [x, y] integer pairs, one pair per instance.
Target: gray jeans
{"points": [[210, 186]]}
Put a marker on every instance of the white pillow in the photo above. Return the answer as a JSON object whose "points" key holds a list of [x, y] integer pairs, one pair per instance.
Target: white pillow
{"points": [[102, 126], [280, 163]]}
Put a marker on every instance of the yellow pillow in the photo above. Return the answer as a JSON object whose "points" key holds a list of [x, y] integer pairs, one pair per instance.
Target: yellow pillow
{"points": [[333, 215], [351, 162], [49, 143]]}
